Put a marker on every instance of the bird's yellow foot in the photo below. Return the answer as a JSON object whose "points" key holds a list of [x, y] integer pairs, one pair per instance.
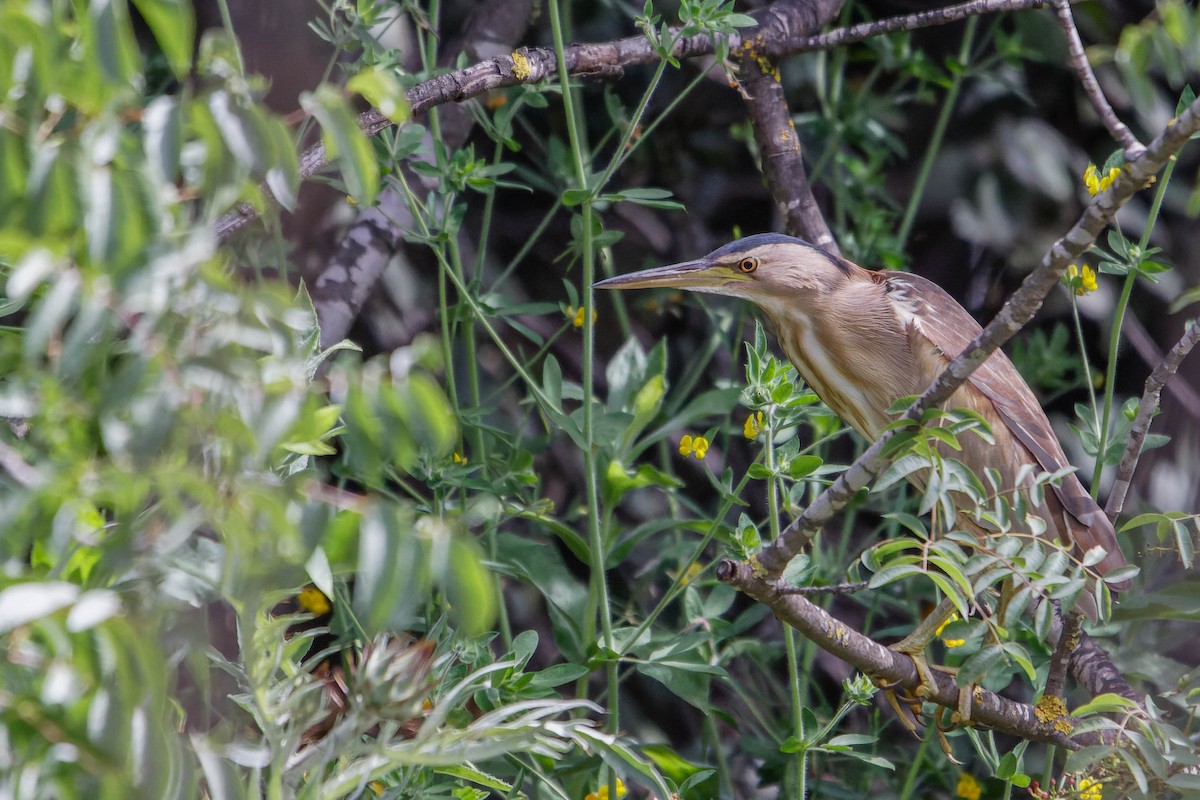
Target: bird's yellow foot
{"points": [[913, 646]]}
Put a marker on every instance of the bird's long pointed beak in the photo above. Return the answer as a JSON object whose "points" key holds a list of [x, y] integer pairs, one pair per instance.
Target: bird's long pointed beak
{"points": [[700, 275]]}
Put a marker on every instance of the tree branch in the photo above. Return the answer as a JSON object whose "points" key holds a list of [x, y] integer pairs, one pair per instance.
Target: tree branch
{"points": [[908, 22], [774, 131], [1146, 408], [532, 65], [882, 664], [1083, 70]]}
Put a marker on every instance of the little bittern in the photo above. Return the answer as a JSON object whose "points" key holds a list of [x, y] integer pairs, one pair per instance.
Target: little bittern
{"points": [[861, 339]]}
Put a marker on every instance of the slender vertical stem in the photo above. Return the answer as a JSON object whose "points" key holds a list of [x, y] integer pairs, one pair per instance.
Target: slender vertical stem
{"points": [[596, 544], [789, 639], [1114, 339], [1087, 367], [472, 362], [910, 778], [477, 441], [939, 133]]}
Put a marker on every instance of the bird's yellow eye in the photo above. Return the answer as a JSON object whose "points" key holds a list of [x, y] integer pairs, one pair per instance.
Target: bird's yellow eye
{"points": [[748, 264]]}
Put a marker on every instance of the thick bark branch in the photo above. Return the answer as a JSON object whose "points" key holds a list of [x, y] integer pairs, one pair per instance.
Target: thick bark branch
{"points": [[881, 664]]}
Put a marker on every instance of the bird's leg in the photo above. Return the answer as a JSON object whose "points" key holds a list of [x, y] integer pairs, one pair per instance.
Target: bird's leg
{"points": [[1007, 593], [914, 646], [915, 643]]}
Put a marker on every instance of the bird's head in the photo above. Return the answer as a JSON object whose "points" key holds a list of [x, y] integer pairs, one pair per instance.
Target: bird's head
{"points": [[766, 268]]}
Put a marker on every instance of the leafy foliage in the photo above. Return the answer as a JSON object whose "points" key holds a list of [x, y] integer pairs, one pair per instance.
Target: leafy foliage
{"points": [[238, 564]]}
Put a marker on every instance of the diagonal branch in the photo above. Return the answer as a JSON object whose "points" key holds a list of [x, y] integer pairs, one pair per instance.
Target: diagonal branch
{"points": [[1083, 70], [1146, 409], [908, 22], [774, 132], [1019, 309]]}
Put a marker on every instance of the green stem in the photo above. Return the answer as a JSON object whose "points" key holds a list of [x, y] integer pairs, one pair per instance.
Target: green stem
{"points": [[517, 365], [596, 544], [789, 640], [679, 584], [1087, 367], [1114, 339], [939, 133], [472, 362], [910, 778]]}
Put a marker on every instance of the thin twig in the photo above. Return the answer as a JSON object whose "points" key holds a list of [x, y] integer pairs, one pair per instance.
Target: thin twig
{"points": [[1083, 70], [922, 19], [1146, 409], [837, 588]]}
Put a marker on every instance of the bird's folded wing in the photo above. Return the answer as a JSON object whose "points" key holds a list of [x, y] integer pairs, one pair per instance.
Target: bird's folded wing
{"points": [[950, 328]]}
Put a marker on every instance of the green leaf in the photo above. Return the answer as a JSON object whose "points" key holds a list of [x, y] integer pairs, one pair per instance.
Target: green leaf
{"points": [[759, 472], [975, 667], [283, 169], [575, 197], [851, 739], [1186, 98], [648, 197], [892, 574], [1018, 654], [469, 773], [109, 40], [174, 26], [558, 675], [345, 141], [470, 588], [162, 125], [382, 90], [552, 382], [803, 466]]}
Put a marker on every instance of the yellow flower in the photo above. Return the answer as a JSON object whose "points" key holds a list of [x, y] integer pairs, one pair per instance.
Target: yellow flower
{"points": [[692, 572], [313, 600], [753, 426], [1095, 182], [693, 445], [1087, 281], [576, 316], [968, 788], [1090, 789], [602, 792], [1082, 282], [460, 458]]}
